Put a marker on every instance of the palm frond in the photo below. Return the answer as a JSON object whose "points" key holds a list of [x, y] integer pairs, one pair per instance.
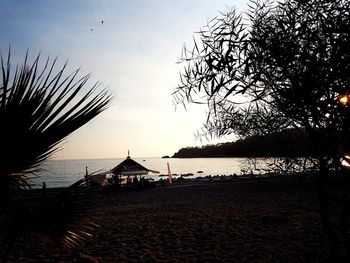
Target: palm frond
{"points": [[65, 217], [62, 218], [39, 109]]}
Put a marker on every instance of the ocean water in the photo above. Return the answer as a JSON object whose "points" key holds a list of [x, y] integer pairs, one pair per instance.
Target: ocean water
{"points": [[62, 173]]}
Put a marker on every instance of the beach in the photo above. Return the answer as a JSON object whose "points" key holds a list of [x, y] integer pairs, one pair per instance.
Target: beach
{"points": [[265, 220]]}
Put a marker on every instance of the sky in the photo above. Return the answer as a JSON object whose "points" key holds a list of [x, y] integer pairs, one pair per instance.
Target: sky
{"points": [[133, 53]]}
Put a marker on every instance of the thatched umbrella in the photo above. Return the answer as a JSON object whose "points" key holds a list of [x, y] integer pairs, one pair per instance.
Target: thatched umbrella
{"points": [[130, 167]]}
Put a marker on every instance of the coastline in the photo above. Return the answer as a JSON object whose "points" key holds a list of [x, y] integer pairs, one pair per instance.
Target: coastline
{"points": [[273, 220]]}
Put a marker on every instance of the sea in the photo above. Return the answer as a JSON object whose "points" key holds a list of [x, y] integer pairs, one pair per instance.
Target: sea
{"points": [[63, 173]]}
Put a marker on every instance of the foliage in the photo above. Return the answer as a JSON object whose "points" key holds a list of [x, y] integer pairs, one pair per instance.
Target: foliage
{"points": [[38, 109], [63, 218], [284, 66]]}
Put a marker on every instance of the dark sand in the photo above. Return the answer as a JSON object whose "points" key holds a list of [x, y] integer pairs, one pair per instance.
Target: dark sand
{"points": [[252, 221]]}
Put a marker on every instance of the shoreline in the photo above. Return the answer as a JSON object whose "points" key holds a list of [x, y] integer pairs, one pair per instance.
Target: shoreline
{"points": [[163, 181]]}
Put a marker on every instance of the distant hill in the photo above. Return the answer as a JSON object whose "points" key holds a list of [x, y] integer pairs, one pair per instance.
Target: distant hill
{"points": [[291, 143]]}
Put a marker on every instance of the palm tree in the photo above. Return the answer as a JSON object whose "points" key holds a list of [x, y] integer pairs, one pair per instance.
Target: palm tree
{"points": [[38, 110]]}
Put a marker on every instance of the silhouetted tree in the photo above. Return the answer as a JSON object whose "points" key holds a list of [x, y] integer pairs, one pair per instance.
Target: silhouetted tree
{"points": [[38, 110], [284, 65]]}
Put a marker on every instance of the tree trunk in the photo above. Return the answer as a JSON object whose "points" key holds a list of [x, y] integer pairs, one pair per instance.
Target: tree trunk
{"points": [[345, 228], [344, 217], [325, 216]]}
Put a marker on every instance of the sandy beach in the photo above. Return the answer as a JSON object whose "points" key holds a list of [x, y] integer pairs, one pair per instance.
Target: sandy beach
{"points": [[246, 221]]}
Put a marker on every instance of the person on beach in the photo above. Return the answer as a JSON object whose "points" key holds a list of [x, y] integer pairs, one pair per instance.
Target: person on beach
{"points": [[44, 189], [135, 181], [87, 179]]}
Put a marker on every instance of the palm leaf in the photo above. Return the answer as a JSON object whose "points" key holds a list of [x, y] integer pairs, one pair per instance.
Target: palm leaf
{"points": [[39, 109]]}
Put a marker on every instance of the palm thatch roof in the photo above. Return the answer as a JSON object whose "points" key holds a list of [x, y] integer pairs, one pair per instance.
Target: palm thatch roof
{"points": [[131, 167]]}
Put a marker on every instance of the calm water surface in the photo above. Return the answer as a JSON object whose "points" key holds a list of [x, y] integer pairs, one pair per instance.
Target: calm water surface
{"points": [[62, 173]]}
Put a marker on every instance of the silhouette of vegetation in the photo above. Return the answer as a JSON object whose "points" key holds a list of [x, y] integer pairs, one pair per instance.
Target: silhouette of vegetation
{"points": [[284, 65], [289, 143], [38, 110]]}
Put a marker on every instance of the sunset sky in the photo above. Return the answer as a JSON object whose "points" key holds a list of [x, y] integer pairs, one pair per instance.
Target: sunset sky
{"points": [[133, 53]]}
